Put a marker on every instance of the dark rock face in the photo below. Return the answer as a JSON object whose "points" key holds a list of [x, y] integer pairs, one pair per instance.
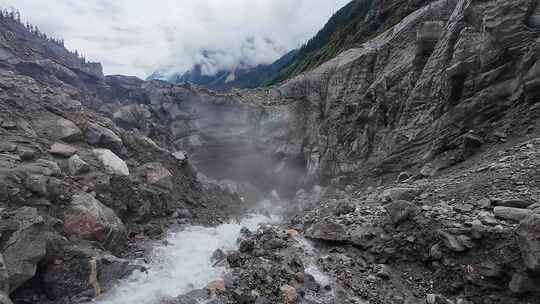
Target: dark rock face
{"points": [[396, 103], [81, 269], [25, 247]]}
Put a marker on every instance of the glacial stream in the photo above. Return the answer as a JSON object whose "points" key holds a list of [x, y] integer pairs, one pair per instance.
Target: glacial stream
{"points": [[182, 263]]}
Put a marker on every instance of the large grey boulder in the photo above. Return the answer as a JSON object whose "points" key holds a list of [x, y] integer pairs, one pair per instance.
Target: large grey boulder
{"points": [[400, 211], [400, 194], [112, 163], [528, 233], [366, 235], [102, 137], [25, 247], [57, 128], [83, 269], [327, 230], [89, 219], [512, 214]]}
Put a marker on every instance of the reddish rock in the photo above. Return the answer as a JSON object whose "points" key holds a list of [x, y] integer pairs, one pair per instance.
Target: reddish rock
{"points": [[62, 150], [216, 286], [300, 277], [292, 233], [89, 219], [155, 174], [289, 294]]}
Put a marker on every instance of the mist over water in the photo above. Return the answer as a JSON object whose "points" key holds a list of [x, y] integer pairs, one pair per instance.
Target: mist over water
{"points": [[183, 264]]}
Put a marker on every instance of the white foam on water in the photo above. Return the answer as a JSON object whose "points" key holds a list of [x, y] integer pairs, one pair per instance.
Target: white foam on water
{"points": [[183, 265]]}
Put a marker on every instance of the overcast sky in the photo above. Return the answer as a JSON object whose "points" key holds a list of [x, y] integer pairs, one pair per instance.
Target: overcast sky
{"points": [[138, 37]]}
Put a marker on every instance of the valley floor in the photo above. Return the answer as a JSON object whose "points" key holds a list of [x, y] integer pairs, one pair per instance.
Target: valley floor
{"points": [[465, 235]]}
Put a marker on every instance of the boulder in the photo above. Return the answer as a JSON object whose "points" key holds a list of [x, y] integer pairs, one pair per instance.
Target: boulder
{"points": [[512, 214], [289, 294], [514, 203], [216, 286], [62, 150], [4, 275], [364, 236], [100, 136], [400, 211], [327, 231], [112, 163], [246, 245], [26, 153], [58, 128], [180, 156], [89, 219], [37, 184], [292, 233], [42, 167], [77, 166], [77, 268], [458, 243], [68, 131], [4, 298], [25, 247], [155, 174], [521, 283], [528, 241], [428, 170], [400, 194], [435, 252], [403, 176], [343, 208]]}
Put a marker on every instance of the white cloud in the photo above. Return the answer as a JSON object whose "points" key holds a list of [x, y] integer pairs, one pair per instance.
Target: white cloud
{"points": [[137, 37]]}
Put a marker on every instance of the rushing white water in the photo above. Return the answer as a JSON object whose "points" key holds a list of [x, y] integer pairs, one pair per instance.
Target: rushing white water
{"points": [[182, 265]]}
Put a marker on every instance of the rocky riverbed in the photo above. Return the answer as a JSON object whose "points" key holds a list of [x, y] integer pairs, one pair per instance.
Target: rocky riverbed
{"points": [[467, 236]]}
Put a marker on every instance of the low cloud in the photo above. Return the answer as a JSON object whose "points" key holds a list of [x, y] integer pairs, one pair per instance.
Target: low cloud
{"points": [[138, 37]]}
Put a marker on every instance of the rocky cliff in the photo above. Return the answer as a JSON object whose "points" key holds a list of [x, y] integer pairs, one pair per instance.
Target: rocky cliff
{"points": [[77, 191], [446, 80]]}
